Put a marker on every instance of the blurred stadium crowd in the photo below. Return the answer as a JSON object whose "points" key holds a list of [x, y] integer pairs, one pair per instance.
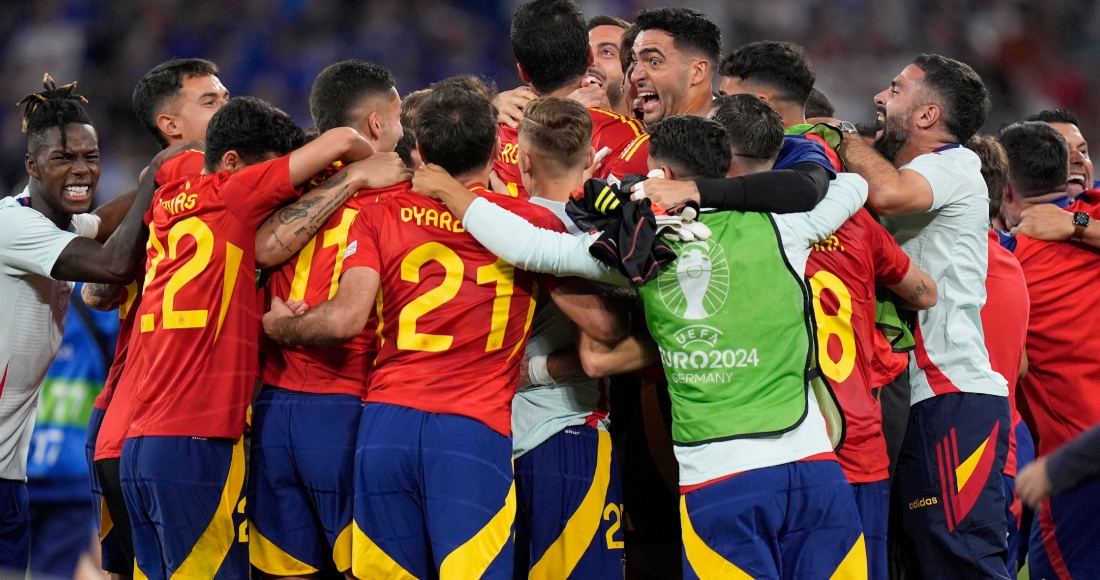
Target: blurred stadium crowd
{"points": [[1032, 54]]}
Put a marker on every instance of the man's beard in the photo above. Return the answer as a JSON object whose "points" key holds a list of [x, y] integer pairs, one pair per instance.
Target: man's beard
{"points": [[894, 136], [615, 95]]}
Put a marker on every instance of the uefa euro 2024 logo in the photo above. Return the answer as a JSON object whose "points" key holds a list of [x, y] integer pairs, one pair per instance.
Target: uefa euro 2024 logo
{"points": [[698, 285]]}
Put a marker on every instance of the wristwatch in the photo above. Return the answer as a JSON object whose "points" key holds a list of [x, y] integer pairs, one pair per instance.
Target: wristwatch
{"points": [[847, 127], [1080, 224]]}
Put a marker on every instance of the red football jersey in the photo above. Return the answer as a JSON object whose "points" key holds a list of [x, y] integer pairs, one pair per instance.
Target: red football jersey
{"points": [[1004, 320], [609, 129], [632, 160], [843, 270], [452, 318], [186, 163], [194, 354], [1062, 385], [313, 275]]}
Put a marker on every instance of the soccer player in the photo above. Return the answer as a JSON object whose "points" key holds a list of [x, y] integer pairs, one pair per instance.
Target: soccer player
{"points": [[1060, 386], [675, 55], [1004, 321], [692, 309], [433, 468], [1080, 165], [947, 491], [306, 417], [47, 240], [605, 36], [174, 101], [780, 74], [553, 54], [566, 473], [193, 355], [843, 271]]}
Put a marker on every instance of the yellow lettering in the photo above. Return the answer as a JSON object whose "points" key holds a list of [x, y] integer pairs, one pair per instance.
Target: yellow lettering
{"points": [[419, 215], [406, 214], [458, 228], [445, 221], [191, 201], [431, 218]]}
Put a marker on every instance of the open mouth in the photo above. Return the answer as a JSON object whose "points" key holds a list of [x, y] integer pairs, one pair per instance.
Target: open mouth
{"points": [[77, 192], [881, 115], [651, 101], [1076, 184], [596, 77]]}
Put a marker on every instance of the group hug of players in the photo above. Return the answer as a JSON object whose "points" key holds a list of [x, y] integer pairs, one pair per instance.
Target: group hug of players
{"points": [[445, 281]]}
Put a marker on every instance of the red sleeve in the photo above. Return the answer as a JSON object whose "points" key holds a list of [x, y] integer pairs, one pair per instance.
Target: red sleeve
{"points": [[891, 262], [363, 240], [186, 163], [257, 190], [1082, 204], [631, 161], [614, 132]]}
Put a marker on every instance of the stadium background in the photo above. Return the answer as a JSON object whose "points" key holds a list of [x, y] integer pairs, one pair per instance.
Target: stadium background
{"points": [[1033, 54]]}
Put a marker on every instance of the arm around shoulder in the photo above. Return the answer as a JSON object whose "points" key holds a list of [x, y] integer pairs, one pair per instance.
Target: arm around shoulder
{"points": [[890, 192]]}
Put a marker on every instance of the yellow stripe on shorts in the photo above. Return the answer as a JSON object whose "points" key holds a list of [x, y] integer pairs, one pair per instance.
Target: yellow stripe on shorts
{"points": [[210, 550], [271, 559], [854, 565], [370, 561], [706, 563], [470, 560], [559, 560]]}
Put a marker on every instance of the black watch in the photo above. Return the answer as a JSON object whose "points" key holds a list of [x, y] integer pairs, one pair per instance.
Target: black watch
{"points": [[847, 127], [1080, 224]]}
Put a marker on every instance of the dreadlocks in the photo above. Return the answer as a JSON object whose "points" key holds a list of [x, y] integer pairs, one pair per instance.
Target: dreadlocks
{"points": [[54, 107]]}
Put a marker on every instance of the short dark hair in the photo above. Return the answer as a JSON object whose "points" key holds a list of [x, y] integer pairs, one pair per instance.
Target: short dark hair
{"points": [[560, 127], [606, 20], [965, 99], [342, 87], [456, 128], [550, 40], [1055, 116], [163, 84], [819, 105], [480, 85], [253, 128], [783, 66], [690, 29], [1038, 158], [753, 127], [994, 168], [53, 107], [692, 144], [405, 146]]}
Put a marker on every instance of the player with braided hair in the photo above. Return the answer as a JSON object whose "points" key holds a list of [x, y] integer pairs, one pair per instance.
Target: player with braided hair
{"points": [[46, 241]]}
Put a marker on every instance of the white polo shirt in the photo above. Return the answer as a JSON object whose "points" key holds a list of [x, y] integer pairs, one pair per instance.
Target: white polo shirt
{"points": [[32, 318], [949, 242]]}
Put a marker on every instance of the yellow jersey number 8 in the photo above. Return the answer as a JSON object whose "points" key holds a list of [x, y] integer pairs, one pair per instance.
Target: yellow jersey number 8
{"points": [[838, 325]]}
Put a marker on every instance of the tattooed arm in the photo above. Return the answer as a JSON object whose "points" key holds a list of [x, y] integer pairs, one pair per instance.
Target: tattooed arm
{"points": [[917, 289], [102, 297], [291, 227]]}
